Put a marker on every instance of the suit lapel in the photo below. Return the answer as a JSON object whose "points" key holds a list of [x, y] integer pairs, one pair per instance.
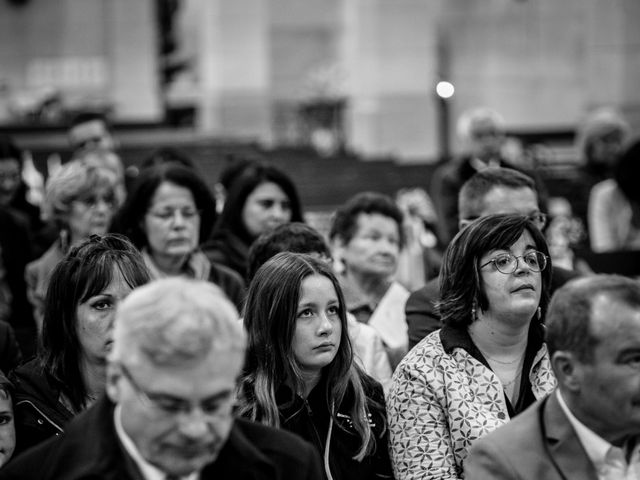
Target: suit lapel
{"points": [[564, 446]]}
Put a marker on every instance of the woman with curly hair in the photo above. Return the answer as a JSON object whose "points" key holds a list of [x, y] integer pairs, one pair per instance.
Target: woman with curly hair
{"points": [[300, 374]]}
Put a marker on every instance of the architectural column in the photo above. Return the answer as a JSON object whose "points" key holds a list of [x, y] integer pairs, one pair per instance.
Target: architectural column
{"points": [[390, 48], [233, 68], [132, 43]]}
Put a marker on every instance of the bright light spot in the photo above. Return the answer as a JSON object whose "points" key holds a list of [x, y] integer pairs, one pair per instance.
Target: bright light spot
{"points": [[445, 89]]}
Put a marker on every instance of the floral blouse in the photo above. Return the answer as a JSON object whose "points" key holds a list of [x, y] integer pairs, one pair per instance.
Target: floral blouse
{"points": [[444, 396]]}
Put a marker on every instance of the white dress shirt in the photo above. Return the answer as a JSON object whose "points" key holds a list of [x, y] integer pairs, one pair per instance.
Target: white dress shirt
{"points": [[609, 461], [149, 472]]}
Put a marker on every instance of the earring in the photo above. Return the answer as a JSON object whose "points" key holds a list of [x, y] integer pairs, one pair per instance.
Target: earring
{"points": [[539, 314], [474, 315]]}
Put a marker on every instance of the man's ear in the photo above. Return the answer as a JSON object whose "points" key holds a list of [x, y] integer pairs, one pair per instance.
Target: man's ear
{"points": [[114, 374], [568, 370]]}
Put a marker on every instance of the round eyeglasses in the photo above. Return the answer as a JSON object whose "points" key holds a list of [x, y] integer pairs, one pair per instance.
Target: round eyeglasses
{"points": [[507, 263]]}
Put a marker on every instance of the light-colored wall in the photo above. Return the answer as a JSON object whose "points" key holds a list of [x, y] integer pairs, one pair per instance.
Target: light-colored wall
{"points": [[97, 50], [541, 63]]}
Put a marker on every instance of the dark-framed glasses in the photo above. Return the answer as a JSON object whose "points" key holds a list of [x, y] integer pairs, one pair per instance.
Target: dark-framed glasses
{"points": [[173, 406], [507, 263]]}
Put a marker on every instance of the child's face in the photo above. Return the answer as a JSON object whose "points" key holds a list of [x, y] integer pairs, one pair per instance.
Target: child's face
{"points": [[7, 429]]}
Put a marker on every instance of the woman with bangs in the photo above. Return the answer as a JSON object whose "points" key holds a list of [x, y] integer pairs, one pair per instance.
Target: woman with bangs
{"points": [[69, 372], [300, 374], [81, 200]]}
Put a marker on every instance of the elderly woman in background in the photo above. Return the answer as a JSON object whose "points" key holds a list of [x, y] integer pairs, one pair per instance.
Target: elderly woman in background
{"points": [[69, 373], [81, 199], [488, 362], [168, 211], [260, 197], [367, 236]]}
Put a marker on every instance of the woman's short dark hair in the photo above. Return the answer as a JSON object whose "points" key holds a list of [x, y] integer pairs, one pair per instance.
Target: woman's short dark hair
{"points": [[345, 222], [243, 185], [85, 271], [461, 287], [130, 218]]}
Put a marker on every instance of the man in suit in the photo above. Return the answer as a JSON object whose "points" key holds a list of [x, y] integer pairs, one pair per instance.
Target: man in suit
{"points": [[178, 348], [490, 191], [589, 428]]}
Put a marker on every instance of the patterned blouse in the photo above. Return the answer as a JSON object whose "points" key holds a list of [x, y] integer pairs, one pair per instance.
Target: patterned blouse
{"points": [[444, 396]]}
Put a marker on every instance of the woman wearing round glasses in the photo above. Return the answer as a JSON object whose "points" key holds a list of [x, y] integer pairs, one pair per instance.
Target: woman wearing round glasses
{"points": [[488, 362], [168, 212]]}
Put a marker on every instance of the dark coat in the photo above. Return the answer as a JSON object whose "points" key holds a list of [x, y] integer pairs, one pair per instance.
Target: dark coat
{"points": [[420, 309], [10, 355], [310, 419], [538, 444], [38, 412], [15, 246], [252, 452], [226, 248], [230, 282]]}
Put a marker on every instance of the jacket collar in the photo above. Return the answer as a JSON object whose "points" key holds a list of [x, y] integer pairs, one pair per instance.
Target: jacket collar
{"points": [[564, 446], [453, 337]]}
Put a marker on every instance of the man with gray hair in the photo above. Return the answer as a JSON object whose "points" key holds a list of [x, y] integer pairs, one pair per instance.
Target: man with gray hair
{"points": [[589, 428], [178, 348]]}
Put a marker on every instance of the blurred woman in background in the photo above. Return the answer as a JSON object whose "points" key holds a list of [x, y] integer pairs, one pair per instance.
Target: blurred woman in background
{"points": [[260, 198], [81, 199]]}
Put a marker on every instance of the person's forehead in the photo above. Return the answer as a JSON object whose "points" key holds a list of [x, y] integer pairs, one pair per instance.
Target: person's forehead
{"points": [[375, 220], [218, 371], [501, 199], [614, 322]]}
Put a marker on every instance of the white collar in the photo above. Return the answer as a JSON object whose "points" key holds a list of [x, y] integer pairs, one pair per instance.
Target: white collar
{"points": [[149, 471], [595, 446]]}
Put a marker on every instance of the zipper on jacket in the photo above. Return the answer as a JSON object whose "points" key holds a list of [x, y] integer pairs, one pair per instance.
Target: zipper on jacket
{"points": [[40, 412], [319, 441]]}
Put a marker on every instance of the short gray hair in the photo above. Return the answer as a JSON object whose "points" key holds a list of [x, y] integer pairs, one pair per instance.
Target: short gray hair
{"points": [[569, 318], [174, 321]]}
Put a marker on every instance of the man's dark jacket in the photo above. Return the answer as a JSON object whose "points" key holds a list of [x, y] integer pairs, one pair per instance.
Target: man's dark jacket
{"points": [[90, 450]]}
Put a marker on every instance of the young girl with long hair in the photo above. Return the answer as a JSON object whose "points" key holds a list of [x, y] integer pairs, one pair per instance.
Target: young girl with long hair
{"points": [[300, 374]]}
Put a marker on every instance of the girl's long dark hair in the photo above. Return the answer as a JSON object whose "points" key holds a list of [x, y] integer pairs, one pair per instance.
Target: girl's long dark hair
{"points": [[270, 319]]}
